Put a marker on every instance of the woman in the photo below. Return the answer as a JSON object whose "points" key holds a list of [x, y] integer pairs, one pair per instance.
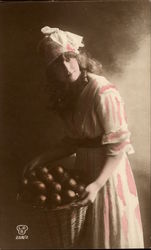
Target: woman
{"points": [[96, 127]]}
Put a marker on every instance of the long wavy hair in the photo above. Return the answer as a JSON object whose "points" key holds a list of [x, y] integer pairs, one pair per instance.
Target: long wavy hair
{"points": [[61, 97]]}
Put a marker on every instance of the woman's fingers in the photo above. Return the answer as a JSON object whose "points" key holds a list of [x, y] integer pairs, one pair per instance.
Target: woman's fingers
{"points": [[84, 202], [89, 195], [83, 195]]}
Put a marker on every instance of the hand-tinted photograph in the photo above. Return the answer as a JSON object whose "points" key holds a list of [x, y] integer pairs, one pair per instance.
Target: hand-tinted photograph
{"points": [[75, 124]]}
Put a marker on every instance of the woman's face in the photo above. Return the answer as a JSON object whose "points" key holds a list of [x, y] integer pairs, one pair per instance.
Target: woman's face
{"points": [[66, 68]]}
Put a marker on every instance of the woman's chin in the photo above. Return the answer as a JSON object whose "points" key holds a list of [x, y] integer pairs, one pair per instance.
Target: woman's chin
{"points": [[73, 78]]}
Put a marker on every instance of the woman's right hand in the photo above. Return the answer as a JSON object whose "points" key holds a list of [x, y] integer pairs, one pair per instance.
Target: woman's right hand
{"points": [[57, 152], [36, 162]]}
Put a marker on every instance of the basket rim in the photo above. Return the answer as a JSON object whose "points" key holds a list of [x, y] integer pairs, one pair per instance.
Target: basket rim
{"points": [[68, 206]]}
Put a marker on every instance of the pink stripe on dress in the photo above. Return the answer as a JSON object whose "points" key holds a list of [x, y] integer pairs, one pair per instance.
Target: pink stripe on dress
{"points": [[130, 179], [104, 88], [120, 190], [125, 225], [138, 215], [125, 116], [116, 134], [118, 111], [107, 107], [113, 109]]}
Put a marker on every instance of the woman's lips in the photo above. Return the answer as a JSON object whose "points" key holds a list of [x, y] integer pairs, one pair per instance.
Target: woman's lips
{"points": [[70, 73]]}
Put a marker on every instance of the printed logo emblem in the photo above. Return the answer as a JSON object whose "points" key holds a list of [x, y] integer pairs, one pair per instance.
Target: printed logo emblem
{"points": [[22, 229]]}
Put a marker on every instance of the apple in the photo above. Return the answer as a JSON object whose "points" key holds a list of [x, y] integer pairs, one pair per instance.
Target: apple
{"points": [[80, 188], [45, 170], [65, 177], [59, 171], [72, 183], [48, 179], [56, 186], [38, 187], [56, 199], [41, 171], [40, 200], [69, 196]]}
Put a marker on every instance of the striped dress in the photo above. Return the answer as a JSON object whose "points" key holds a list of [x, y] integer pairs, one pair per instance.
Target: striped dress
{"points": [[113, 220]]}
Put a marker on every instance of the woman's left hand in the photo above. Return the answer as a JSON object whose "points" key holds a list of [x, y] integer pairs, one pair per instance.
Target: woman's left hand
{"points": [[89, 195]]}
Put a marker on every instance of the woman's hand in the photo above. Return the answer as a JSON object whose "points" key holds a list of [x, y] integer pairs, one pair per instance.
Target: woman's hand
{"points": [[106, 172], [89, 195], [58, 152]]}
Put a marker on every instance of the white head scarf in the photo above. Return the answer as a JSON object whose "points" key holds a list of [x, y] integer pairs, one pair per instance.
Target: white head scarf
{"points": [[56, 42]]}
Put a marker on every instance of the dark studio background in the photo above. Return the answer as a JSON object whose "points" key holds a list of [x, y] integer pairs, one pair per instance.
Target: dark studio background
{"points": [[117, 34]]}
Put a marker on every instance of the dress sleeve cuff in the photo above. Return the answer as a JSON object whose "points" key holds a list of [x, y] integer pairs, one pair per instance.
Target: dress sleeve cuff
{"points": [[116, 148]]}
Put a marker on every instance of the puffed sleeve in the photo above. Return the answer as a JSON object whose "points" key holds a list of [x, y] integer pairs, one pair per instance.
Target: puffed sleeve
{"points": [[111, 114]]}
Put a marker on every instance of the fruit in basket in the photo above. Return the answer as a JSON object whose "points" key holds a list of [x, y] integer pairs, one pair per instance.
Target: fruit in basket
{"points": [[42, 171], [55, 199], [80, 188], [40, 200], [72, 183], [52, 187], [38, 187], [59, 170], [65, 177], [56, 186], [60, 174], [48, 179], [69, 196]]}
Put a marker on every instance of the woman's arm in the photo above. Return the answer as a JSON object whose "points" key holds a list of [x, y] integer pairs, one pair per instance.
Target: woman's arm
{"points": [[92, 189], [110, 165], [59, 151], [110, 112]]}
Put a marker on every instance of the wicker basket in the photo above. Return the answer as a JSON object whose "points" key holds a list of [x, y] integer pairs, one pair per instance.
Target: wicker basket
{"points": [[65, 225]]}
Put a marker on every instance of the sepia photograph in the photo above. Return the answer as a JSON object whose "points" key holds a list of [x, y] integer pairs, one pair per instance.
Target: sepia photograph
{"points": [[75, 124]]}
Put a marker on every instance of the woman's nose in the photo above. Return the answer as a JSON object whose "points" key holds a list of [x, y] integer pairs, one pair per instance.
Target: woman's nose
{"points": [[67, 66]]}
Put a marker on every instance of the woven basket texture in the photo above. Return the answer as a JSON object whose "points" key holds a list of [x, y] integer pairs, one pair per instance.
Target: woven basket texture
{"points": [[65, 226]]}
